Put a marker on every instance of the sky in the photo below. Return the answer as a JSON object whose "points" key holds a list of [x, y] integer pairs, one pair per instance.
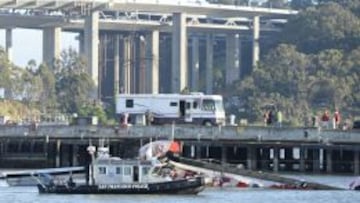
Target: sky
{"points": [[27, 44]]}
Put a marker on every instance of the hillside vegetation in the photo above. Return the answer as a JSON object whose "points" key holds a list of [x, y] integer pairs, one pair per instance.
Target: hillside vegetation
{"points": [[314, 65], [16, 111]]}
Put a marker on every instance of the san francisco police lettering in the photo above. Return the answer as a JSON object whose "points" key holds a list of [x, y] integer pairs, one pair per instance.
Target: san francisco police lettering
{"points": [[123, 186]]}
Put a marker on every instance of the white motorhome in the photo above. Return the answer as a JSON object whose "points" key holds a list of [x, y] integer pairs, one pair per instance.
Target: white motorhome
{"points": [[195, 108]]}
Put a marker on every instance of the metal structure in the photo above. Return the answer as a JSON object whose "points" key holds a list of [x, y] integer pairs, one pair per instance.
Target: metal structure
{"points": [[125, 24]]}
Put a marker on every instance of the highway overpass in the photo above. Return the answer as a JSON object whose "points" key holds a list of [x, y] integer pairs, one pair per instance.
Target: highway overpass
{"points": [[125, 24]]}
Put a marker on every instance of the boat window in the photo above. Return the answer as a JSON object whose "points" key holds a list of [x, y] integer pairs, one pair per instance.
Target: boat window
{"points": [[173, 103], [208, 105], [156, 170], [145, 170], [188, 105], [102, 170], [119, 170], [129, 103], [195, 105], [127, 170]]}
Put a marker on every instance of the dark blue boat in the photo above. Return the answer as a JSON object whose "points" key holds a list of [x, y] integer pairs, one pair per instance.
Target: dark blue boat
{"points": [[112, 175], [183, 186]]}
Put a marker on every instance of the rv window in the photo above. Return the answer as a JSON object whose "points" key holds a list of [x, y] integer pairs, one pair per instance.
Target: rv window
{"points": [[173, 103], [208, 105], [127, 171], [119, 170], [129, 103], [102, 170], [195, 104]]}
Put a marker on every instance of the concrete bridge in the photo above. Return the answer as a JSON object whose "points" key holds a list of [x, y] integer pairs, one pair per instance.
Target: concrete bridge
{"points": [[256, 148], [123, 31]]}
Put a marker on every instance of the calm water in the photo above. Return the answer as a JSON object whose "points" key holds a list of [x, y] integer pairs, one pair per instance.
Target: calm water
{"points": [[210, 195]]}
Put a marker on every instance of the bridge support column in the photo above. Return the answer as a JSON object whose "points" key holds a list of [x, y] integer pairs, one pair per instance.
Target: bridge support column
{"points": [[232, 58], [251, 158], [152, 62], [329, 168], [276, 159], [8, 44], [316, 160], [356, 163], [125, 82], [58, 154], [195, 67], [256, 36], [209, 63], [81, 40], [51, 44], [116, 64], [91, 34], [179, 56]]}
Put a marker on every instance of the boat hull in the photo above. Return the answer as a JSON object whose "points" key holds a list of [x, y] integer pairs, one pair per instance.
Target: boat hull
{"points": [[183, 186]]}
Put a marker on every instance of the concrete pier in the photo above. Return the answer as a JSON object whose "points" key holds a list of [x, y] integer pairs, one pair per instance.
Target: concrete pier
{"points": [[278, 150]]}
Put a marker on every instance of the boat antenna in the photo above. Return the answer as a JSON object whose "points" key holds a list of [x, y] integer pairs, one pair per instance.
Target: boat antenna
{"points": [[91, 150], [173, 131]]}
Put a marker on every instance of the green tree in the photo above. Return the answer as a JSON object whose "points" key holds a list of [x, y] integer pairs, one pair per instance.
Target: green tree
{"points": [[301, 4], [277, 3], [93, 109], [48, 95], [32, 87], [330, 26], [74, 86], [5, 72], [353, 5]]}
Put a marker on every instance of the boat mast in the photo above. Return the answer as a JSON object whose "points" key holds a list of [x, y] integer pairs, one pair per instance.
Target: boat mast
{"points": [[91, 149]]}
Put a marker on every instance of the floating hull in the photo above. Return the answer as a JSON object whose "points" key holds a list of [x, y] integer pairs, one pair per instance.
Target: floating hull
{"points": [[32, 177], [183, 186]]}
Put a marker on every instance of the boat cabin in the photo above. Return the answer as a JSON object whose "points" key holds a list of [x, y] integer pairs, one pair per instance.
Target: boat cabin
{"points": [[114, 170]]}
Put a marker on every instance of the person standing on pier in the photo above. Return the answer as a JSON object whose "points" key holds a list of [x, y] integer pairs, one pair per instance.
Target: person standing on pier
{"points": [[149, 117], [279, 118], [336, 119], [266, 118], [270, 118], [325, 119]]}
